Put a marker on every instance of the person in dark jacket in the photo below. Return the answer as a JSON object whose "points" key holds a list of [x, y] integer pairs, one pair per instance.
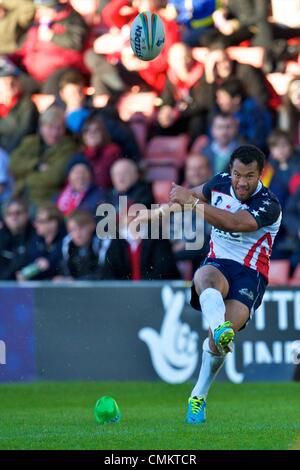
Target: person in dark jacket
{"points": [[18, 114], [44, 251], [81, 249], [127, 182], [15, 238], [80, 192], [136, 257]]}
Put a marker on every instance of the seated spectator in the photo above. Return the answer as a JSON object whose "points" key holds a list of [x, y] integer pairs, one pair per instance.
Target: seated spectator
{"points": [[71, 92], [15, 17], [197, 172], [15, 238], [219, 67], [134, 258], [38, 164], [283, 163], [81, 248], [180, 111], [44, 252], [290, 113], [18, 114], [127, 182], [80, 192], [5, 179], [54, 43], [255, 122], [224, 140], [99, 151]]}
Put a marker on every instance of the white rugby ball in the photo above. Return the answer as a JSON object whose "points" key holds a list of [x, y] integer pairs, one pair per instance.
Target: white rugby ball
{"points": [[147, 35]]}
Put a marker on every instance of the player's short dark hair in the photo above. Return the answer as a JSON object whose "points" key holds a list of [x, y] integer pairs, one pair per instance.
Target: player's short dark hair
{"points": [[248, 154]]}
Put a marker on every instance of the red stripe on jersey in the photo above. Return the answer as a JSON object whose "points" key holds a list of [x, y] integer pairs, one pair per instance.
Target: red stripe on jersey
{"points": [[211, 254], [262, 263]]}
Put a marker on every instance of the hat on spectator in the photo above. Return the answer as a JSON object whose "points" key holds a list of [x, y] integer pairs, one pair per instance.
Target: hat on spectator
{"points": [[46, 3], [7, 68], [78, 159]]}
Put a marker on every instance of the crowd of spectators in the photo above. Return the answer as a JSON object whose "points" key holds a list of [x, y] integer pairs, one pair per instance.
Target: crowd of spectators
{"points": [[66, 70]]}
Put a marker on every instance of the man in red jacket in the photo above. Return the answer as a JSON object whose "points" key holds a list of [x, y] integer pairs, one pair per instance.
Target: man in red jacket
{"points": [[53, 43]]}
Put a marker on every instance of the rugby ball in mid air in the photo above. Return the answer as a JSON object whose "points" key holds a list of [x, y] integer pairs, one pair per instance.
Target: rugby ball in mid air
{"points": [[147, 35]]}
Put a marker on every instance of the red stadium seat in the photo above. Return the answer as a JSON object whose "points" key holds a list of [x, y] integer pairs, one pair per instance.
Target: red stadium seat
{"points": [[279, 272], [161, 191], [295, 279], [168, 150]]}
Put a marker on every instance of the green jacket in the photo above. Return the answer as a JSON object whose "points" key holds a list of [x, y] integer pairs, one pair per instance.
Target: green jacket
{"points": [[21, 121], [40, 171], [18, 15]]}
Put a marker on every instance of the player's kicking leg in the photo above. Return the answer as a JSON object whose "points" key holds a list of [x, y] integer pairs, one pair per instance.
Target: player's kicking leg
{"points": [[224, 319]]}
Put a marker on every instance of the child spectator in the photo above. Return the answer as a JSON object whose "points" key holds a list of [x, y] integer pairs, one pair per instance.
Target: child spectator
{"points": [[44, 252], [18, 114], [255, 122], [38, 164], [80, 191], [283, 163], [71, 91], [81, 248], [224, 140], [15, 238]]}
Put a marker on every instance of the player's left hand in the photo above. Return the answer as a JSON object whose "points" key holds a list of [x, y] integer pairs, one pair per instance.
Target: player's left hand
{"points": [[181, 195]]}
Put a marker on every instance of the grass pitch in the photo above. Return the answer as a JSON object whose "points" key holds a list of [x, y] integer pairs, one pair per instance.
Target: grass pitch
{"points": [[60, 416]]}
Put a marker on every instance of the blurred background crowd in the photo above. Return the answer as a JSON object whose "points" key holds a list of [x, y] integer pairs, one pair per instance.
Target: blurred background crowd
{"points": [[83, 121]]}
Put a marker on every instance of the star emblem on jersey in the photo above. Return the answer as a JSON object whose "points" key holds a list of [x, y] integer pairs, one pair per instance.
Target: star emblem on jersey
{"points": [[224, 174], [262, 209], [255, 213], [267, 203]]}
